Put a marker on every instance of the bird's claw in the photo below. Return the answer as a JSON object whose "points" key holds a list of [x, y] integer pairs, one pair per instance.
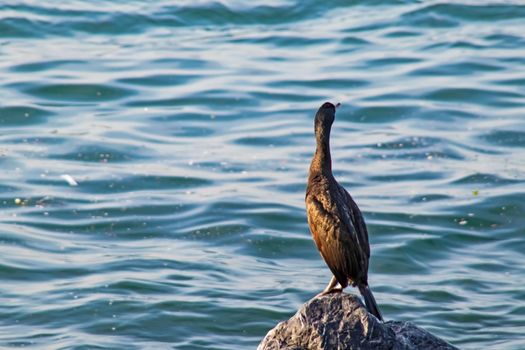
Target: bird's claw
{"points": [[330, 291]]}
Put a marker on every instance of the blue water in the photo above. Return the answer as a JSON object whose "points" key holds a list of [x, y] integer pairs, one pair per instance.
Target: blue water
{"points": [[188, 127]]}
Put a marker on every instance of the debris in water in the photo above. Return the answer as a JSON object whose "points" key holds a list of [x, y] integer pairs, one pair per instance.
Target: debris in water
{"points": [[69, 179]]}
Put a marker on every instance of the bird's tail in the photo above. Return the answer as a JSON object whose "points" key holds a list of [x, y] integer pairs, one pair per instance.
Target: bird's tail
{"points": [[370, 301]]}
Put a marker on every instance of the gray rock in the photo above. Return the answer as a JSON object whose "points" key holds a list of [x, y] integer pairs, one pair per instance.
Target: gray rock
{"points": [[340, 321]]}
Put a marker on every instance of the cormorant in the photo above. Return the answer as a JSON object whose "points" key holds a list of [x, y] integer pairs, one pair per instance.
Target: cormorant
{"points": [[335, 221]]}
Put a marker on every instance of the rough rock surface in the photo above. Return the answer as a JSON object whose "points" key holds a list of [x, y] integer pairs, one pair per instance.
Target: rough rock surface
{"points": [[339, 321]]}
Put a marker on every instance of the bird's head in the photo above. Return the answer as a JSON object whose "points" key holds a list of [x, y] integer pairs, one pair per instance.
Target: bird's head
{"points": [[324, 118]]}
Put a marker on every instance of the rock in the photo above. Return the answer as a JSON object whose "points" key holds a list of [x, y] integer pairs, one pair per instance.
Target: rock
{"points": [[339, 321]]}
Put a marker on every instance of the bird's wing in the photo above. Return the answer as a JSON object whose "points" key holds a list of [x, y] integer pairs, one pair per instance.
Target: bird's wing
{"points": [[336, 241], [355, 216]]}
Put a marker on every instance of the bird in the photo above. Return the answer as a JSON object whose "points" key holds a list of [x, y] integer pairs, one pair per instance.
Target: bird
{"points": [[335, 221]]}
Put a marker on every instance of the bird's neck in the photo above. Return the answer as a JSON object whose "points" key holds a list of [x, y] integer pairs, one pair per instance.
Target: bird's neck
{"points": [[322, 161]]}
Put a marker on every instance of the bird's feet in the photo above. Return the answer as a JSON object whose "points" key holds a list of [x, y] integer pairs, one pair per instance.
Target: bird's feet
{"points": [[329, 291]]}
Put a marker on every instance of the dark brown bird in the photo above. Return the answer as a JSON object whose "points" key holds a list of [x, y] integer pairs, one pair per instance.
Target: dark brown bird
{"points": [[335, 221]]}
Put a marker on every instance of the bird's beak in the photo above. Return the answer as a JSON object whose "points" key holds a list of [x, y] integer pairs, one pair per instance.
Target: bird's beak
{"points": [[337, 105]]}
